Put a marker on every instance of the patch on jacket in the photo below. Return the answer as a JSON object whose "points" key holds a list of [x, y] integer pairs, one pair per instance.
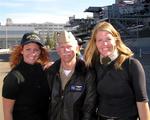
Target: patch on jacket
{"points": [[76, 88]]}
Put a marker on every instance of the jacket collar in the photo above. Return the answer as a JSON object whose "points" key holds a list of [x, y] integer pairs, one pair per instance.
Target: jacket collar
{"points": [[79, 67]]}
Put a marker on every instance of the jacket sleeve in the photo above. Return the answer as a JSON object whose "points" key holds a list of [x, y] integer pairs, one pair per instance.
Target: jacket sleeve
{"points": [[89, 107]]}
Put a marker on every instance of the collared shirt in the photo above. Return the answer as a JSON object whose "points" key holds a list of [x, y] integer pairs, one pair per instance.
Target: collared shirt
{"points": [[65, 76]]}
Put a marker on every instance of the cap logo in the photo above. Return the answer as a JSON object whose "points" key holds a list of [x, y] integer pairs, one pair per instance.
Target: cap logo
{"points": [[33, 37]]}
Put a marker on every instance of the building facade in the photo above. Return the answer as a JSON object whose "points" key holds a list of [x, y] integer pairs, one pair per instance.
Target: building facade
{"points": [[10, 34]]}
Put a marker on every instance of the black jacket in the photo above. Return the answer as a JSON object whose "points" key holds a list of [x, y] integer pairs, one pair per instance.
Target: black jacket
{"points": [[77, 101]]}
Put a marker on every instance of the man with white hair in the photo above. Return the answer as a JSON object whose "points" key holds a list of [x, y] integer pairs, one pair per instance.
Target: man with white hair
{"points": [[72, 86]]}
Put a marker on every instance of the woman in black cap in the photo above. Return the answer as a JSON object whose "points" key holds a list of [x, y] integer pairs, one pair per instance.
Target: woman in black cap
{"points": [[25, 90]]}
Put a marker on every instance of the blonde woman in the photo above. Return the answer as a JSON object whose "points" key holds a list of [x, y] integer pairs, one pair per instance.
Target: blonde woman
{"points": [[121, 84]]}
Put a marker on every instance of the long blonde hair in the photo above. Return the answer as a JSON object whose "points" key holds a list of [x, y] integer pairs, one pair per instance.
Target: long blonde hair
{"points": [[16, 56], [91, 50]]}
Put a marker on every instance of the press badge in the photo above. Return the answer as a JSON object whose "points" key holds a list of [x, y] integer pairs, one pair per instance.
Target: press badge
{"points": [[76, 88]]}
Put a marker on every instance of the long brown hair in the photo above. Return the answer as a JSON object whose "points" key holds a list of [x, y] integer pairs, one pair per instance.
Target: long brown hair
{"points": [[16, 56], [91, 50]]}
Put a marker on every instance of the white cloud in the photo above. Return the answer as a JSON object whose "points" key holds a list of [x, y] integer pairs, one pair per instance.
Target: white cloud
{"points": [[43, 17], [37, 18], [36, 0], [39, 11], [9, 4]]}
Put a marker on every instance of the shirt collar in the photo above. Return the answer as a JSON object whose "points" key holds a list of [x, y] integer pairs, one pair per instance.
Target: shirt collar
{"points": [[113, 56]]}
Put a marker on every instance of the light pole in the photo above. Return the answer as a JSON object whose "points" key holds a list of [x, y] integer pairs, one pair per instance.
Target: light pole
{"points": [[6, 45]]}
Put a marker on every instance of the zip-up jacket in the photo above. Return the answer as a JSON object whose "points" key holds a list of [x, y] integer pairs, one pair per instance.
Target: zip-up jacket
{"points": [[77, 100]]}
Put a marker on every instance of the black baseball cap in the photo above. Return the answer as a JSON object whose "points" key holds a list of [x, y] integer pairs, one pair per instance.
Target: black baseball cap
{"points": [[31, 38]]}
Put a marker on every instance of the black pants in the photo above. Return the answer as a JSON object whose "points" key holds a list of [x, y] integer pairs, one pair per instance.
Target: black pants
{"points": [[109, 118]]}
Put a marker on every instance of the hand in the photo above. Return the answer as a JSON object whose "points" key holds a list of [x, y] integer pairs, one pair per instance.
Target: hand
{"points": [[47, 65]]}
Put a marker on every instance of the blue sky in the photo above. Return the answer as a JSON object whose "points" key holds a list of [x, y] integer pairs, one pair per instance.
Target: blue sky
{"points": [[40, 11]]}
